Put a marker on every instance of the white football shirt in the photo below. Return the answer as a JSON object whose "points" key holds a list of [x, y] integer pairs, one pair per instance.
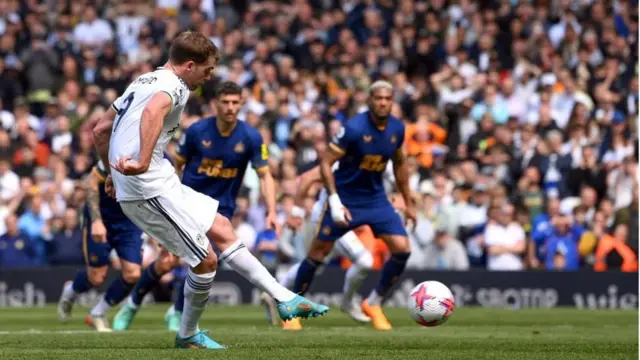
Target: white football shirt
{"points": [[125, 138]]}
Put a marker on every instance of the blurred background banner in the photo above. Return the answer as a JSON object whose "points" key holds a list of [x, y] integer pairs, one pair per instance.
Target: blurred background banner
{"points": [[606, 290]]}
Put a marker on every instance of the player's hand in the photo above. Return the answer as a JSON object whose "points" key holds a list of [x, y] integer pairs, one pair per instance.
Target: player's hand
{"points": [[339, 213], [109, 188], [410, 215], [271, 223], [129, 167], [98, 231], [346, 218]]}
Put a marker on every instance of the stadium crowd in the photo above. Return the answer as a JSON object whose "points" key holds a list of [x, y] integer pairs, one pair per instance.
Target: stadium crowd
{"points": [[521, 115]]}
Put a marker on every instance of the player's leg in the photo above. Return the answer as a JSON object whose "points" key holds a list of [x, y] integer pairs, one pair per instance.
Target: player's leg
{"points": [[237, 256], [116, 292], [127, 244], [96, 256], [148, 280], [326, 235], [391, 230], [175, 224], [351, 247], [173, 317], [197, 287]]}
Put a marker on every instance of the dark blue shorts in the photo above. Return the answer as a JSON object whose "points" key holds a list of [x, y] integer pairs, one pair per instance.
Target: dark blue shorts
{"points": [[126, 241], [381, 217]]}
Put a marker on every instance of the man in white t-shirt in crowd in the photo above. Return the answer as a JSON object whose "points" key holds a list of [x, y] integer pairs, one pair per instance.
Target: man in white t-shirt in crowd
{"points": [[505, 241]]}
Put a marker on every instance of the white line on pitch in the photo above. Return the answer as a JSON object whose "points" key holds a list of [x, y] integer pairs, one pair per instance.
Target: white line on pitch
{"points": [[71, 332]]}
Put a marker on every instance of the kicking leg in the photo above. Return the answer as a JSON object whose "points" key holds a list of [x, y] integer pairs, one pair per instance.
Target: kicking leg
{"points": [[117, 291], [237, 256]]}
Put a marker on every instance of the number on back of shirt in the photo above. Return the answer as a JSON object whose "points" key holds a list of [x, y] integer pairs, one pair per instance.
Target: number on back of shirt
{"points": [[125, 106]]}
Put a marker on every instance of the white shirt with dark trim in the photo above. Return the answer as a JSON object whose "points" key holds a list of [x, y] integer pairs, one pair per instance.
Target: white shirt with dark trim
{"points": [[125, 139]]}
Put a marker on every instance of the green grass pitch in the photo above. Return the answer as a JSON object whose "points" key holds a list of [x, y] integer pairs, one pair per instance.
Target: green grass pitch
{"points": [[471, 333]]}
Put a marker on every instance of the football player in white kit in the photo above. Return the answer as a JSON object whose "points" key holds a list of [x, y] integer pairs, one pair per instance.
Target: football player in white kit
{"points": [[131, 137]]}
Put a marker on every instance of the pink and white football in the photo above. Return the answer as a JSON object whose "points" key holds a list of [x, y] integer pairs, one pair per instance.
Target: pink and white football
{"points": [[431, 303]]}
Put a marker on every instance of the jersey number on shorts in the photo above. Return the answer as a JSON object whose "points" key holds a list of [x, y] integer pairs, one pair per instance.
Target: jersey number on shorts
{"points": [[125, 106]]}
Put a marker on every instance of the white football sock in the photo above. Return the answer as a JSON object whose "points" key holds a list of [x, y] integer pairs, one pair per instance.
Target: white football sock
{"points": [[67, 293], [130, 303], [289, 278], [101, 308], [356, 275], [196, 297], [238, 257], [374, 298]]}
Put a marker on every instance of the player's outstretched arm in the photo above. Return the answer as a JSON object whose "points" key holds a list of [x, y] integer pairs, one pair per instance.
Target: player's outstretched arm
{"points": [[401, 173], [102, 135]]}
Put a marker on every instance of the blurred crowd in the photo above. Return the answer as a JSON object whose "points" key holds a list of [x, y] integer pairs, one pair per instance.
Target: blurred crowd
{"points": [[521, 115]]}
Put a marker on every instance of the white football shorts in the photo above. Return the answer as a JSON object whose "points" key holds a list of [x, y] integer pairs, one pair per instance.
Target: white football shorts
{"points": [[179, 220]]}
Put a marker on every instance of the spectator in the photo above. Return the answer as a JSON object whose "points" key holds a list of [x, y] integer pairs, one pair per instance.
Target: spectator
{"points": [[621, 182], [542, 229], [9, 181], [32, 224], [505, 241], [16, 249], [66, 247], [614, 253], [446, 253], [562, 247], [266, 249], [588, 173], [93, 32], [629, 216]]}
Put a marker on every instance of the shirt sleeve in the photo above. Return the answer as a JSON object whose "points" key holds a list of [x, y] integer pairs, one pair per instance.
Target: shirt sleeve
{"points": [[259, 151], [345, 136], [186, 148], [175, 90]]}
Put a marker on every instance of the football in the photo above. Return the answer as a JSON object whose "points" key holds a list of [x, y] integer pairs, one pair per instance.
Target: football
{"points": [[431, 303]]}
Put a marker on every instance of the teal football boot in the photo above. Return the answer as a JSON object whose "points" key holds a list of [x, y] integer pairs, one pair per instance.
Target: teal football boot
{"points": [[299, 307], [124, 318], [200, 340]]}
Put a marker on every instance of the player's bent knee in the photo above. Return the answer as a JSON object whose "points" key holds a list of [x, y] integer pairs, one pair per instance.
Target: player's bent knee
{"points": [[208, 265], [221, 233], [320, 250], [166, 263], [131, 274], [365, 261], [97, 275], [398, 244]]}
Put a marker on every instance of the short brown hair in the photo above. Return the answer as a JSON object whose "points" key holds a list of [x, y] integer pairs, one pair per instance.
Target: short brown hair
{"points": [[192, 46], [229, 88]]}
